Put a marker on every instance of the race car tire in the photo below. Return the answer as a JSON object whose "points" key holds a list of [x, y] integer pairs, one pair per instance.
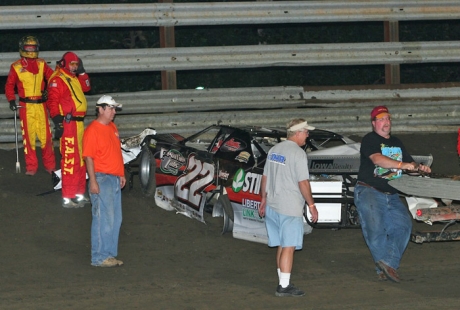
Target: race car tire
{"points": [[147, 166], [228, 224], [224, 201]]}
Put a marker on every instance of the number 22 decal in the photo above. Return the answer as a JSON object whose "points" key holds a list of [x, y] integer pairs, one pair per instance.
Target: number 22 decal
{"points": [[189, 187]]}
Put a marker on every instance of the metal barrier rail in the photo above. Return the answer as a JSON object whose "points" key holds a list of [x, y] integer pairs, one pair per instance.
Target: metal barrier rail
{"points": [[436, 116], [188, 14], [263, 98], [188, 123], [224, 57]]}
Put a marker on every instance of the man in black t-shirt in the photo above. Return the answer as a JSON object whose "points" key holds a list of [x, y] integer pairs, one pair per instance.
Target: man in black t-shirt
{"points": [[385, 220]]}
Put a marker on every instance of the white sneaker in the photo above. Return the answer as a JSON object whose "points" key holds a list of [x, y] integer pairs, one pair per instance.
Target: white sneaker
{"points": [[69, 203], [82, 200]]}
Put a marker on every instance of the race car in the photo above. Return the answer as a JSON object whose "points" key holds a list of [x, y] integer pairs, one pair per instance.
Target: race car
{"points": [[220, 168]]}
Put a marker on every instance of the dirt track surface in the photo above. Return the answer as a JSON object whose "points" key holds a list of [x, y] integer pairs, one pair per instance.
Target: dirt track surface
{"points": [[173, 262]]}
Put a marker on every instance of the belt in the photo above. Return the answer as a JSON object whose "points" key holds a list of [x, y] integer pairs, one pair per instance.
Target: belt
{"points": [[68, 118], [367, 185], [27, 100], [77, 118]]}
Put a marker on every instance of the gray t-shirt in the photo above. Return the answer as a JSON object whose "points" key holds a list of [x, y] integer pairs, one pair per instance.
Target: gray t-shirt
{"points": [[286, 166]]}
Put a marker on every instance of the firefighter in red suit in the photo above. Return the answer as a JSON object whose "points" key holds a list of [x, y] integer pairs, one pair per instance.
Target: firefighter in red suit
{"points": [[28, 76], [67, 106]]}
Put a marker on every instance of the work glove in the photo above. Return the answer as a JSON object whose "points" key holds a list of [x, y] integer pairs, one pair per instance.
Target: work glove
{"points": [[45, 95], [80, 69], [58, 127], [13, 105]]}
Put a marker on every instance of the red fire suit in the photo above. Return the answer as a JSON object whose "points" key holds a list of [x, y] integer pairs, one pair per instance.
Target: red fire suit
{"points": [[28, 77], [66, 97]]}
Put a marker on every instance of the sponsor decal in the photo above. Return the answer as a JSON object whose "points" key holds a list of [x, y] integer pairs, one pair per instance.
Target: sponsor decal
{"points": [[277, 158], [250, 204], [238, 180], [250, 209], [233, 145], [252, 183], [162, 197], [218, 143], [223, 175], [251, 215], [247, 182], [171, 161], [243, 157], [69, 155], [216, 146], [328, 164]]}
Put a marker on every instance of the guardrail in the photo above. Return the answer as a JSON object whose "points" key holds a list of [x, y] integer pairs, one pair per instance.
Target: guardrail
{"points": [[264, 98], [441, 117], [340, 110], [224, 57], [189, 14]]}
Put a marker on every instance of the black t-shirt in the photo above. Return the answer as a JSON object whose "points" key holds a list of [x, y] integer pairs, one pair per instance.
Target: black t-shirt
{"points": [[377, 176]]}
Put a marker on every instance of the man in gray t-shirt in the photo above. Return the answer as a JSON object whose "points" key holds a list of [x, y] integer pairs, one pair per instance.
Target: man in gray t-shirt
{"points": [[285, 188]]}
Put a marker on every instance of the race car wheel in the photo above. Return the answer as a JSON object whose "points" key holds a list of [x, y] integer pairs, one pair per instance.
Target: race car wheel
{"points": [[353, 217], [226, 205], [147, 171], [228, 223], [224, 201]]}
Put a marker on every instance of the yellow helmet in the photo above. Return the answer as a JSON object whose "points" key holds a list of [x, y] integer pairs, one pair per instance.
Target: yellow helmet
{"points": [[28, 47]]}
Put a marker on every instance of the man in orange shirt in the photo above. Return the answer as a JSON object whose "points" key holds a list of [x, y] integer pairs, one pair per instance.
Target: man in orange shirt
{"points": [[104, 163], [28, 76]]}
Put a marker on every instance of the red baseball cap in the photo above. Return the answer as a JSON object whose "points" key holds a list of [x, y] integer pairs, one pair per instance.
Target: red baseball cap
{"points": [[381, 109]]}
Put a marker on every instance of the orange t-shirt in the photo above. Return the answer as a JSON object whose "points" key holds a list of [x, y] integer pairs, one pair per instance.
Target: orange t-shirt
{"points": [[102, 143]]}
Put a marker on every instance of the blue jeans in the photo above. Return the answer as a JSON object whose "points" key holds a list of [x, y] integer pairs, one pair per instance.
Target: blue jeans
{"points": [[385, 222], [106, 210]]}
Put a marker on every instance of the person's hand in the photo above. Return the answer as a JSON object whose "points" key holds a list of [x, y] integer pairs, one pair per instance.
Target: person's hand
{"points": [[408, 166], [263, 202], [424, 168], [94, 187], [13, 105], [57, 120], [80, 69], [122, 182], [58, 127], [314, 213], [45, 95]]}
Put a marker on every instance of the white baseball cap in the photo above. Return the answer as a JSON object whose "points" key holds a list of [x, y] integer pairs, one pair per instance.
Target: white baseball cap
{"points": [[108, 100]]}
